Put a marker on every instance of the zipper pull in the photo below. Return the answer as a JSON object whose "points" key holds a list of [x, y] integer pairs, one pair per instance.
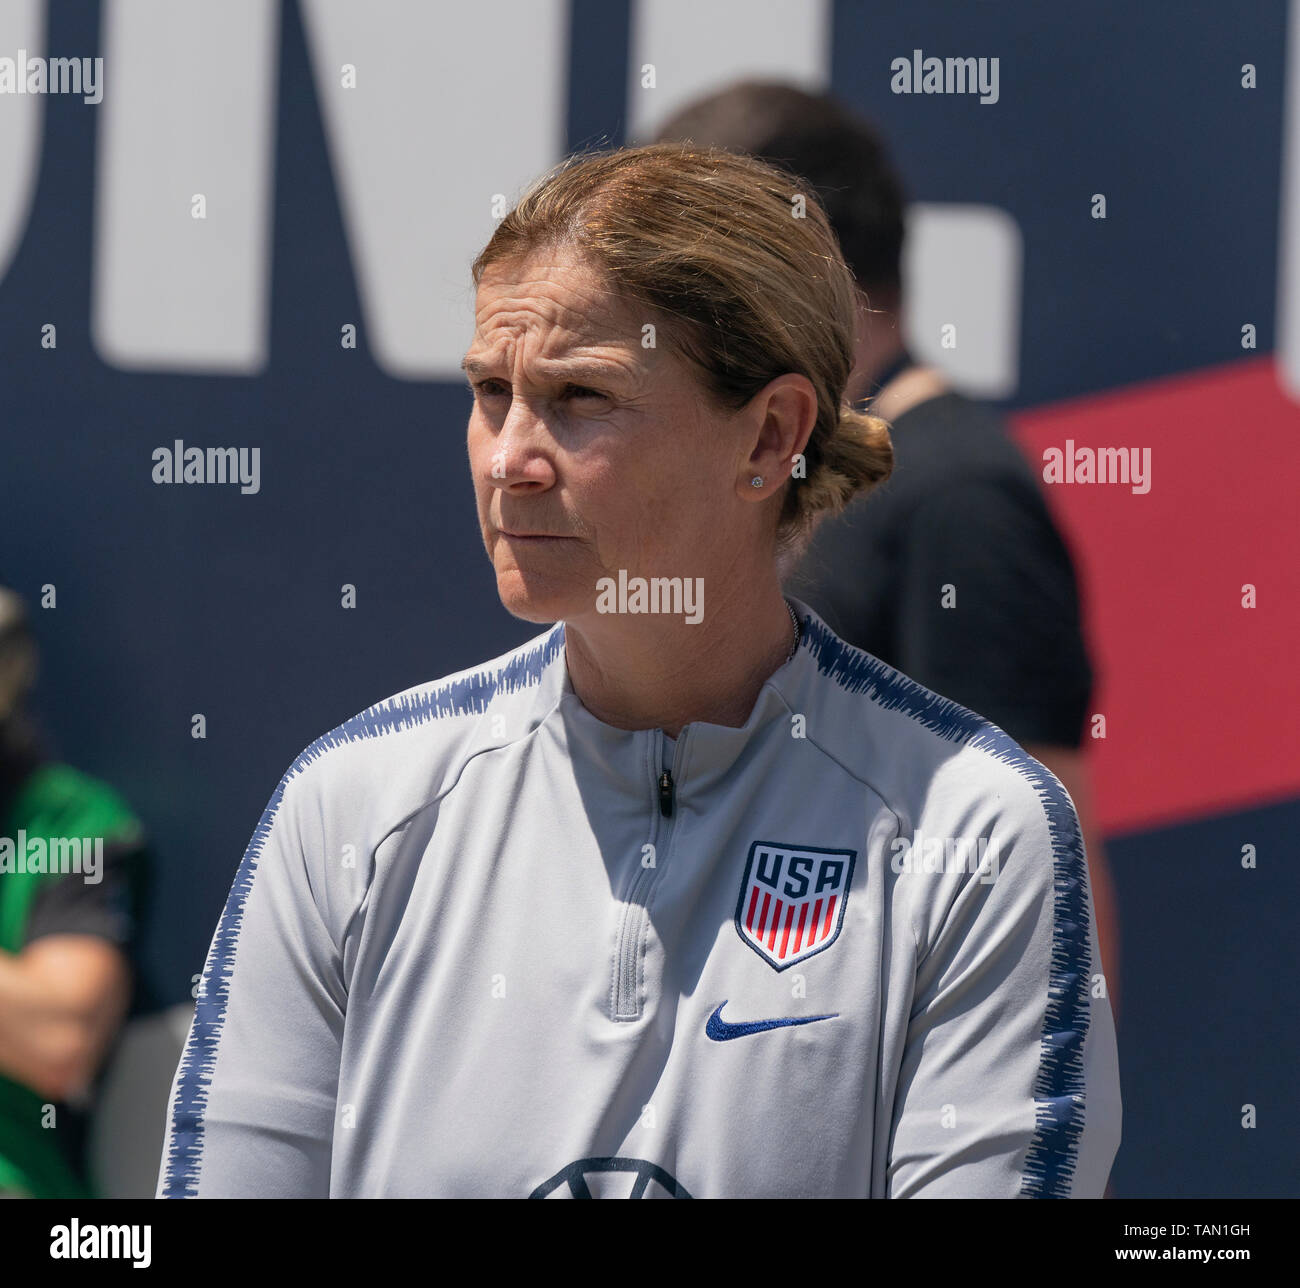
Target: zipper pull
{"points": [[666, 794]]}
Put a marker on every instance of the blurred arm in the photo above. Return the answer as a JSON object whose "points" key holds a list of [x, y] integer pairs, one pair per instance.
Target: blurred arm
{"points": [[61, 1001]]}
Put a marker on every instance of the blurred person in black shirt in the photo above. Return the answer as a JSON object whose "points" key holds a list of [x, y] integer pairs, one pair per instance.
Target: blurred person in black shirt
{"points": [[962, 508]]}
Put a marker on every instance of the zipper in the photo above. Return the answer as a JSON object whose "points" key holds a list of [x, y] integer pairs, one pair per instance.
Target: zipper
{"points": [[666, 793], [632, 921]]}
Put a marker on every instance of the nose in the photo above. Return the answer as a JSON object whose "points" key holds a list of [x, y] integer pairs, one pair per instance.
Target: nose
{"points": [[521, 457]]}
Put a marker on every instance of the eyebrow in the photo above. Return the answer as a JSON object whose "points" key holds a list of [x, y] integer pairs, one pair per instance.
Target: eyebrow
{"points": [[561, 372]]}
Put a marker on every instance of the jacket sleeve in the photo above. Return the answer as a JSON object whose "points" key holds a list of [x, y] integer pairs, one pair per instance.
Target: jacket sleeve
{"points": [[252, 1106], [1009, 1085]]}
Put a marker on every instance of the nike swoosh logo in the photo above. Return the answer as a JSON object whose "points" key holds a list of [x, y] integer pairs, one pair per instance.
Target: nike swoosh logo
{"points": [[720, 1031]]}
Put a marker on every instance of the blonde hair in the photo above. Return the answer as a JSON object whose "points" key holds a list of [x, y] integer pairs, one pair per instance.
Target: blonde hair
{"points": [[740, 266]]}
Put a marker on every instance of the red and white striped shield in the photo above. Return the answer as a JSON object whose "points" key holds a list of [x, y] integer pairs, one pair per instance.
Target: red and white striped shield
{"points": [[792, 900]]}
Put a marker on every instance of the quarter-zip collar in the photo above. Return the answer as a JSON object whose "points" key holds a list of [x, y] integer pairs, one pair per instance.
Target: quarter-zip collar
{"points": [[706, 754]]}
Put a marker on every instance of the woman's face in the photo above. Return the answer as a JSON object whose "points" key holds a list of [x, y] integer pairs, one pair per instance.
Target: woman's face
{"points": [[592, 452]]}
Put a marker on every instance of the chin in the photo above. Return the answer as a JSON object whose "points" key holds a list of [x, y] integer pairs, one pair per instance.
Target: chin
{"points": [[535, 598]]}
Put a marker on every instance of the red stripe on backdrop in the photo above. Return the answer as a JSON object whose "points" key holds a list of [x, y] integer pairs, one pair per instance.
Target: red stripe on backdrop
{"points": [[1199, 692]]}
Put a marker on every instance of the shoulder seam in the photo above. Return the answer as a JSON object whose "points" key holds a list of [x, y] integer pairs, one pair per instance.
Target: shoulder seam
{"points": [[466, 692]]}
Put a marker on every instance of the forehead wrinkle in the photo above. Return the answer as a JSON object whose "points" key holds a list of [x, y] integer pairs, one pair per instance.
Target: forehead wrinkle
{"points": [[589, 294], [564, 294], [515, 323], [568, 323], [571, 276], [551, 353]]}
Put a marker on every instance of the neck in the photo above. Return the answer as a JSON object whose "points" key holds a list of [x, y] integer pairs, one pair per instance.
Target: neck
{"points": [[658, 671]]}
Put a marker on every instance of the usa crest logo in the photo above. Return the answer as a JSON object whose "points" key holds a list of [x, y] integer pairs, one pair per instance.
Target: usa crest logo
{"points": [[792, 900]]}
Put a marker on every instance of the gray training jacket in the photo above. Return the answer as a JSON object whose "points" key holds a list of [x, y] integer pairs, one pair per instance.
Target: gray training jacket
{"points": [[483, 944]]}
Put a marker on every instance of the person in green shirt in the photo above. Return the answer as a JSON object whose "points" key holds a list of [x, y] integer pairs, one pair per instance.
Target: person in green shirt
{"points": [[71, 868]]}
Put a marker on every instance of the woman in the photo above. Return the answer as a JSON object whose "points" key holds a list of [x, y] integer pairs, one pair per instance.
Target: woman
{"points": [[685, 896]]}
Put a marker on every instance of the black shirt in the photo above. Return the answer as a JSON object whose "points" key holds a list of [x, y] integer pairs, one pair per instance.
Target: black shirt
{"points": [[961, 516]]}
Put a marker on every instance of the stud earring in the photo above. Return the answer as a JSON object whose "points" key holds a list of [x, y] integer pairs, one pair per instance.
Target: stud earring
{"points": [[756, 481]]}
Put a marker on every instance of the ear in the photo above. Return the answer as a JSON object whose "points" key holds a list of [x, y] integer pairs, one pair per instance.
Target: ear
{"points": [[782, 416]]}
